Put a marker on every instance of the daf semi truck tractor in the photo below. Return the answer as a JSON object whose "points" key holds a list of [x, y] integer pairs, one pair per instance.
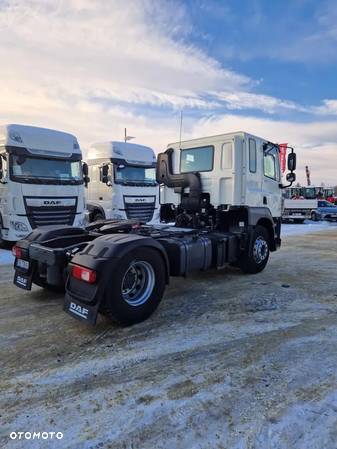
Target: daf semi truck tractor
{"points": [[222, 193], [41, 180], [122, 182]]}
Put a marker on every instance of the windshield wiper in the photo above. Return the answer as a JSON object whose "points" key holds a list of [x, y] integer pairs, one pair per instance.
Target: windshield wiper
{"points": [[30, 180]]}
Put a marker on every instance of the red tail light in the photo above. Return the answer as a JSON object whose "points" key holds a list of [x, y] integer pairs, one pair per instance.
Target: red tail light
{"points": [[17, 252], [83, 274]]}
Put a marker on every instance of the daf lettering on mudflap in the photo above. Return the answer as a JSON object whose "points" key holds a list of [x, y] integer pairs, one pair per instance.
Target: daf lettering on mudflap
{"points": [[78, 310], [211, 215]]}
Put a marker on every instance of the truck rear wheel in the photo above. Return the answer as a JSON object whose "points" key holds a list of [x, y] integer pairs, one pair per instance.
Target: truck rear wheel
{"points": [[255, 258], [137, 287], [97, 216]]}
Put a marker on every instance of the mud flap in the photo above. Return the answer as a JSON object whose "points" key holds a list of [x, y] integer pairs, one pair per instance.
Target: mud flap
{"points": [[23, 281], [23, 277], [83, 312]]}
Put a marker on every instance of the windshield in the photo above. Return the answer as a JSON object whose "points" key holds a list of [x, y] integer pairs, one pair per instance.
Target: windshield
{"points": [[45, 171], [132, 175]]}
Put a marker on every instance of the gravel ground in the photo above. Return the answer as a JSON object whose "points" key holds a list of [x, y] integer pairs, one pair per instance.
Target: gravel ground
{"points": [[228, 361]]}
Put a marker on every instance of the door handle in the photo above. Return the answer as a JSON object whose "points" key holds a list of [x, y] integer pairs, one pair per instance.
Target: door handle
{"points": [[265, 200]]}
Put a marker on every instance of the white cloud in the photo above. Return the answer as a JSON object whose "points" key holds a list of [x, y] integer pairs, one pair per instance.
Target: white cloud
{"points": [[328, 107], [83, 48], [247, 100], [91, 68], [132, 52]]}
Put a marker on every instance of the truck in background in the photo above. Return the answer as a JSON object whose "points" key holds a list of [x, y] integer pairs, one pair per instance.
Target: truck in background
{"points": [[122, 182], [298, 210], [41, 180], [223, 194], [301, 203]]}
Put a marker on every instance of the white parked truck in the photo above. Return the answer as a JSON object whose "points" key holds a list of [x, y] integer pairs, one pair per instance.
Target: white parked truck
{"points": [[41, 180], [122, 182], [223, 195], [298, 210]]}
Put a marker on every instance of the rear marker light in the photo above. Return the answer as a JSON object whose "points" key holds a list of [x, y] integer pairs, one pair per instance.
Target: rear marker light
{"points": [[17, 252], [83, 274]]}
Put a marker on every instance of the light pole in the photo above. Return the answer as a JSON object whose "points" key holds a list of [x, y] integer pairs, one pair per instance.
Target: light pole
{"points": [[126, 137]]}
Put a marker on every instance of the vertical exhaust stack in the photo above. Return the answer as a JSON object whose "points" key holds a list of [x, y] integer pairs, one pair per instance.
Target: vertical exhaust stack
{"points": [[189, 201]]}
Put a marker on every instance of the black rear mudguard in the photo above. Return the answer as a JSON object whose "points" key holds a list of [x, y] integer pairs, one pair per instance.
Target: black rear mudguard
{"points": [[103, 255], [47, 251]]}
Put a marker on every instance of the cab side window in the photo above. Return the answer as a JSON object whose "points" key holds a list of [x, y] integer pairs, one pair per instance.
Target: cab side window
{"points": [[271, 164], [252, 155]]}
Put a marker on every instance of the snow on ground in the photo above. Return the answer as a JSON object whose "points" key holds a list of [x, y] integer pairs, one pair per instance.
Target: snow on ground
{"points": [[307, 227], [227, 361], [6, 257]]}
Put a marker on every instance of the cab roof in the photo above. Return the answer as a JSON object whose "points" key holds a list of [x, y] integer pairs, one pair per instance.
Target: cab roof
{"points": [[215, 138], [130, 152], [39, 140]]}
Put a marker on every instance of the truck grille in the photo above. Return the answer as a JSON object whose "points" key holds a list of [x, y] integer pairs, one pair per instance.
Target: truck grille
{"points": [[44, 216], [44, 211], [141, 211]]}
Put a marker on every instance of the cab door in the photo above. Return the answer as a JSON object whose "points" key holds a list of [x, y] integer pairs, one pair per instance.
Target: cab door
{"points": [[271, 196]]}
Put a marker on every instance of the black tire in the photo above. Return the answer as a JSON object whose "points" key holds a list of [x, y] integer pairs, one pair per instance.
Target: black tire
{"points": [[118, 304], [314, 216], [255, 258], [98, 216]]}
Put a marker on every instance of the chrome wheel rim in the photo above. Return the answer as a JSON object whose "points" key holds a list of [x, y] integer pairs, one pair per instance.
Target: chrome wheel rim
{"points": [[260, 250], [138, 283]]}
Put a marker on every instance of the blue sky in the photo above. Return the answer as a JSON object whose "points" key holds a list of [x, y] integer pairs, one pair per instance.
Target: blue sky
{"points": [[287, 47], [93, 67]]}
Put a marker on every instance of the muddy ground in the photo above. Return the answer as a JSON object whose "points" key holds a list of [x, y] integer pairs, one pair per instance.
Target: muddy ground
{"points": [[228, 361]]}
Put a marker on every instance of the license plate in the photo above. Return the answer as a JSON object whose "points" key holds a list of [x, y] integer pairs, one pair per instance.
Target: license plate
{"points": [[297, 214], [20, 263], [23, 281]]}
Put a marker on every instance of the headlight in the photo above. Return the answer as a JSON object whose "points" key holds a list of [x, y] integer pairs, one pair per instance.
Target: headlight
{"points": [[19, 226]]}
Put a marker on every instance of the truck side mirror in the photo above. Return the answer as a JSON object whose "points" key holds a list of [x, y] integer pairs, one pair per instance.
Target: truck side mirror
{"points": [[105, 173], [85, 171], [291, 177], [291, 161]]}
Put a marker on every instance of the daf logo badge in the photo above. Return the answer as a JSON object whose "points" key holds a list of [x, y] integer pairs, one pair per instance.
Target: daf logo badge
{"points": [[51, 202]]}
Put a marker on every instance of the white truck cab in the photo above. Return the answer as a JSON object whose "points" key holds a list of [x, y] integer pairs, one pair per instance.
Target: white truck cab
{"points": [[122, 182], [237, 169], [41, 180]]}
